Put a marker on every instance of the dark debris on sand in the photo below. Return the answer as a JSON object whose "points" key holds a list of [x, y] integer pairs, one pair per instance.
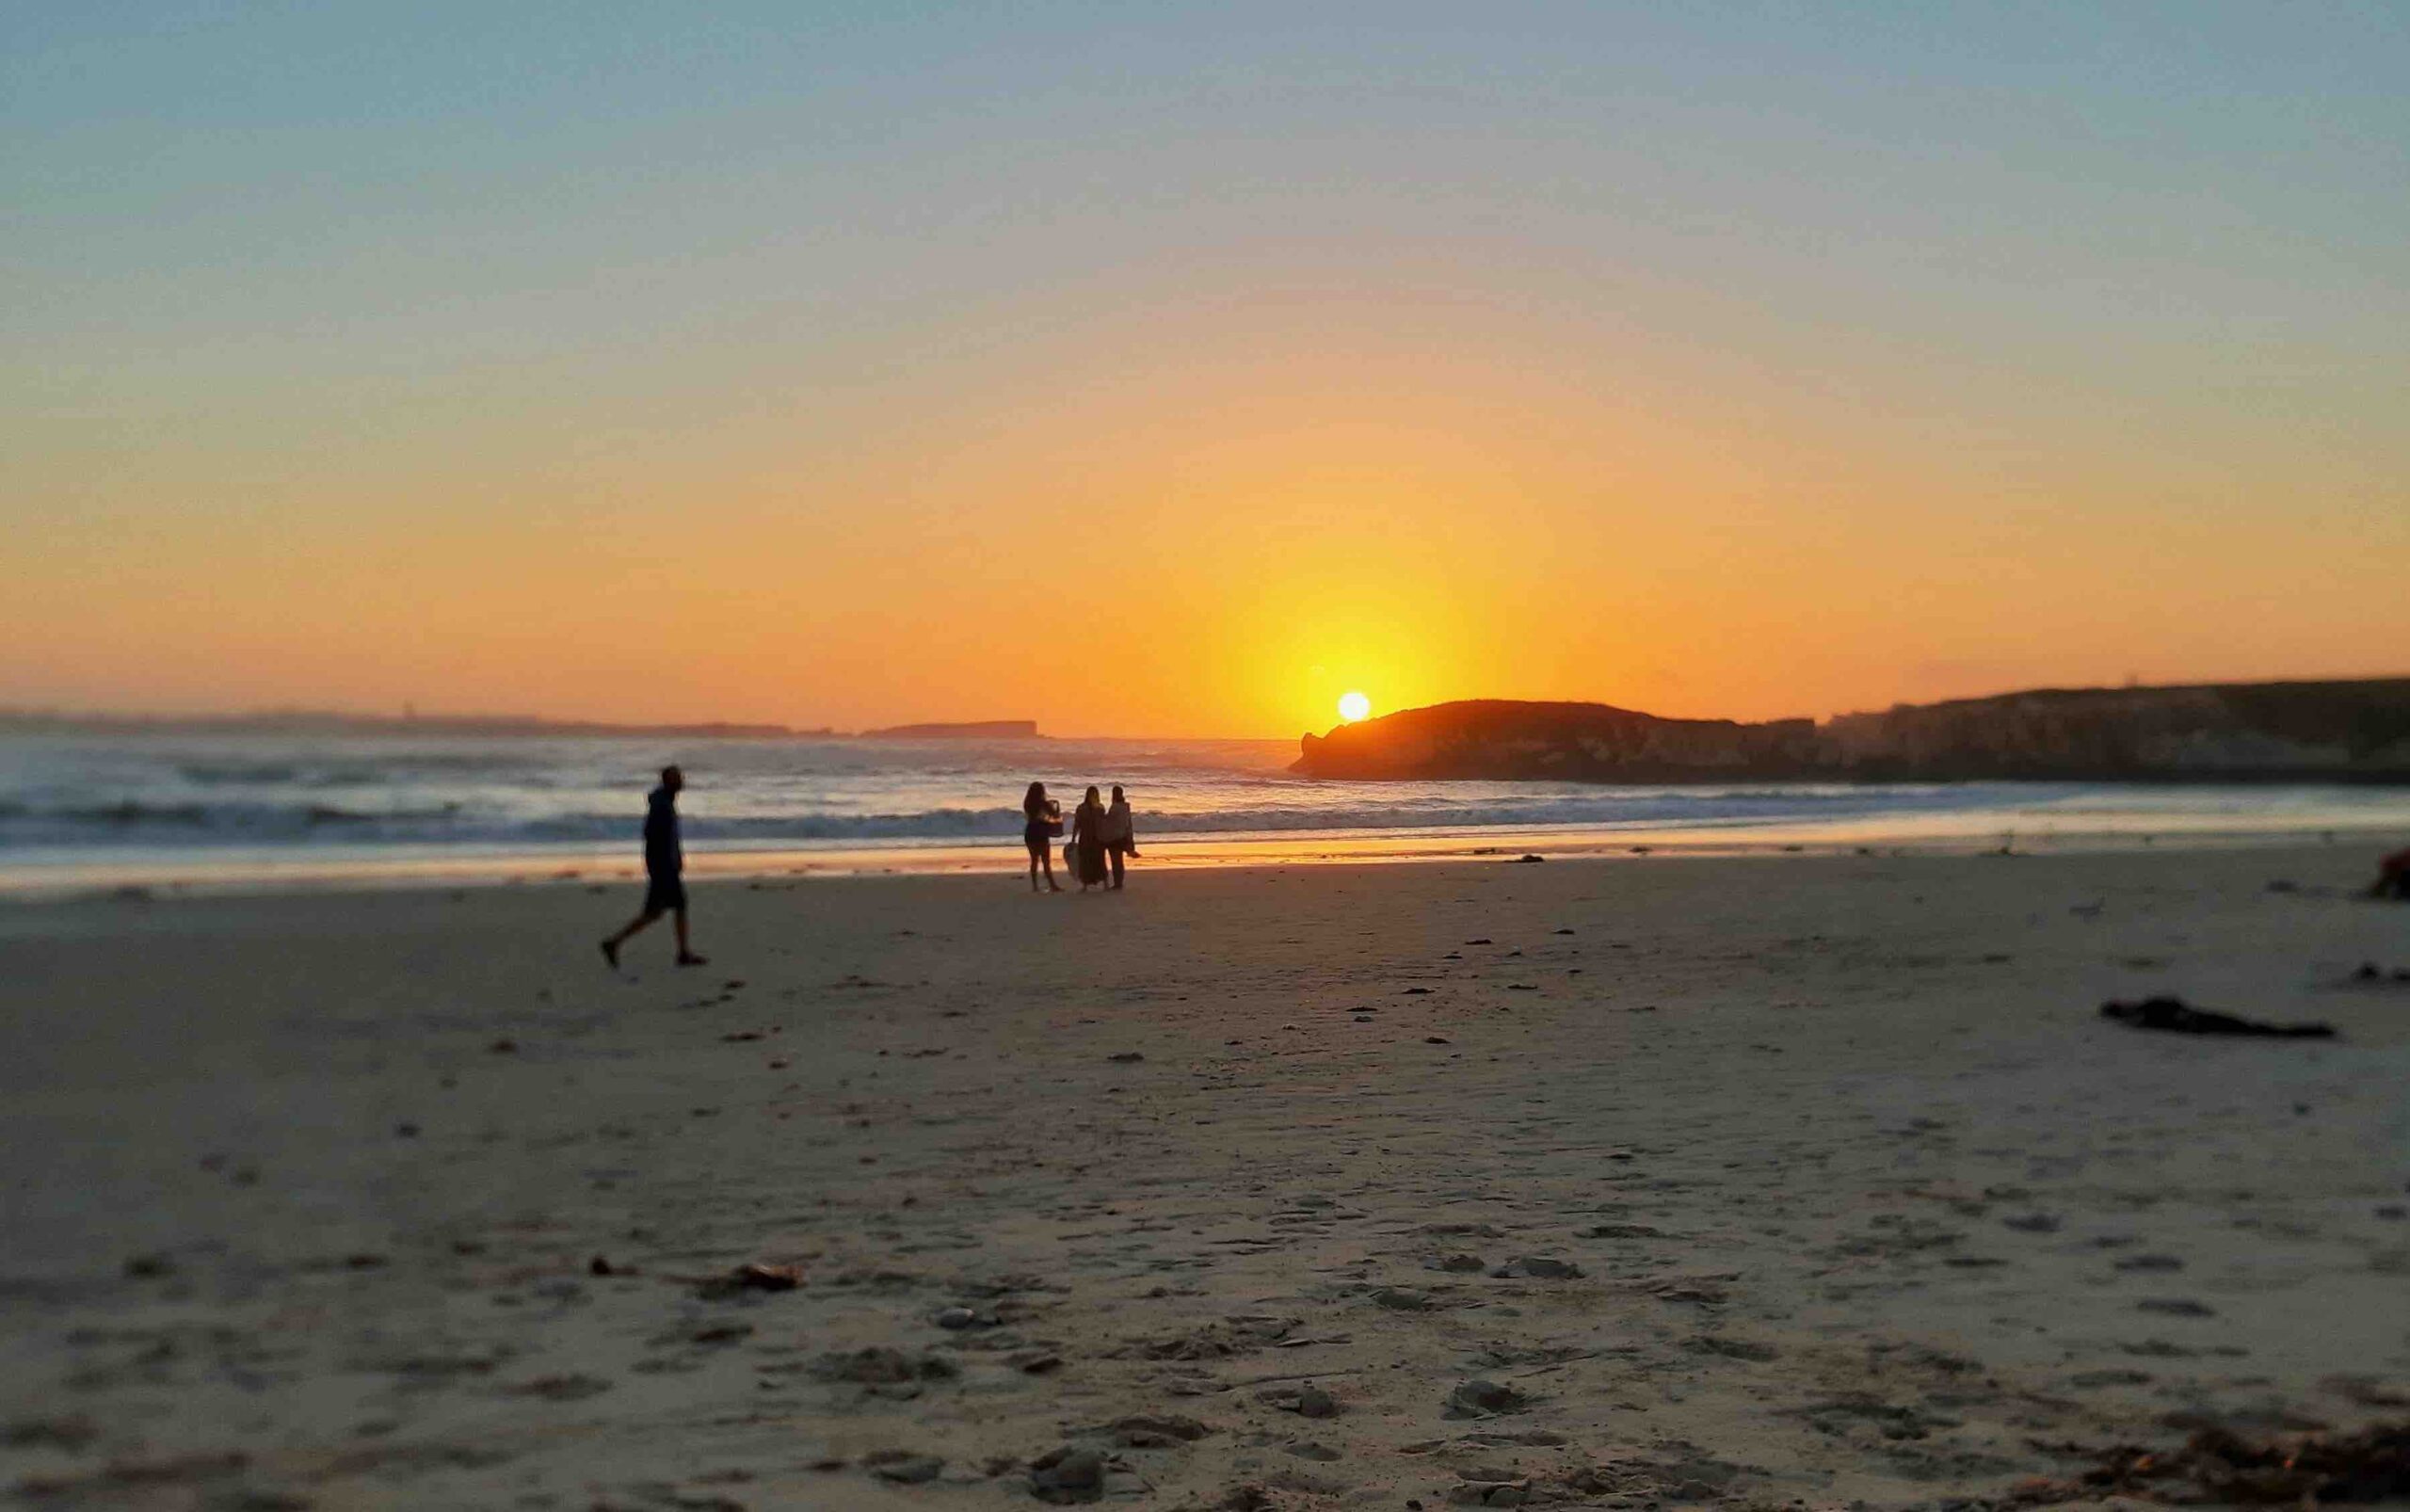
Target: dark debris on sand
{"points": [[2176, 1016], [750, 1278], [2217, 1466]]}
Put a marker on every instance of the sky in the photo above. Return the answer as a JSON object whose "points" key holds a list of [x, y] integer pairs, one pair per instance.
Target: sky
{"points": [[1173, 370]]}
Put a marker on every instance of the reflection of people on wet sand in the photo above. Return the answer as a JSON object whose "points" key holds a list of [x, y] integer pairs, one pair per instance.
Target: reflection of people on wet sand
{"points": [[1121, 834], [2393, 877], [1044, 818], [1087, 840], [665, 865]]}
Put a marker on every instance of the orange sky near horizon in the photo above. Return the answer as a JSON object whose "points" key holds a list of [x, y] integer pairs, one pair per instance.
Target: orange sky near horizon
{"points": [[853, 366], [1429, 502]]}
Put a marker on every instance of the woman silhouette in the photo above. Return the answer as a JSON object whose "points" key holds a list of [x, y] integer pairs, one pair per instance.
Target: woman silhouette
{"points": [[1088, 840], [1044, 818]]}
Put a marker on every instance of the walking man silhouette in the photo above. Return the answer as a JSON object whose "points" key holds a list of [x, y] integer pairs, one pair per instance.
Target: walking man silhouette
{"points": [[665, 866]]}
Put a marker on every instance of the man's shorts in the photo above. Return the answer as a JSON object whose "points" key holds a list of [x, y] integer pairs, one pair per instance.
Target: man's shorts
{"points": [[664, 894]]}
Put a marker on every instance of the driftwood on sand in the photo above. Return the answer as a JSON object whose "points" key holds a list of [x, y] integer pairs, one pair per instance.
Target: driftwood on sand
{"points": [[2177, 1016]]}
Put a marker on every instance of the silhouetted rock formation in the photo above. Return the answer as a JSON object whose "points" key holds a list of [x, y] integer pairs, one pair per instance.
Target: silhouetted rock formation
{"points": [[1566, 741], [2250, 731], [2287, 731], [972, 729]]}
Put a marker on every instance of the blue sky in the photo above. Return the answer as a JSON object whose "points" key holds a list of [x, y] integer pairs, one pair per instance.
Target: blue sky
{"points": [[2174, 166]]}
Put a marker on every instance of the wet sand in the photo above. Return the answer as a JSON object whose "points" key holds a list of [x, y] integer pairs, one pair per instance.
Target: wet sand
{"points": [[1606, 1183]]}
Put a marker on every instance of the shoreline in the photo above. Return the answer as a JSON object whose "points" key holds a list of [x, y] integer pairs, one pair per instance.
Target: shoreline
{"points": [[409, 868], [68, 874]]}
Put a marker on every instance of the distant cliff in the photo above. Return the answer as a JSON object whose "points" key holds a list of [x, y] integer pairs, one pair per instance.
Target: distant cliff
{"points": [[337, 722], [972, 730], [2246, 731], [2265, 730], [1565, 742]]}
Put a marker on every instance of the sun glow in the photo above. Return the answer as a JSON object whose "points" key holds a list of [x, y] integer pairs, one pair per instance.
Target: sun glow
{"points": [[1353, 706]]}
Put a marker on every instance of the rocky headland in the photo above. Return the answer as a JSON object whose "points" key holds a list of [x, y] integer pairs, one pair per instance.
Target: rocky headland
{"points": [[2353, 731]]}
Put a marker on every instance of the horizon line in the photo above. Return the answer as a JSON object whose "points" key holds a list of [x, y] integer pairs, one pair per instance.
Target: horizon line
{"points": [[16, 715]]}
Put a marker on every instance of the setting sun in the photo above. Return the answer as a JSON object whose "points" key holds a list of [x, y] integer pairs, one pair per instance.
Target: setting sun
{"points": [[1353, 706]]}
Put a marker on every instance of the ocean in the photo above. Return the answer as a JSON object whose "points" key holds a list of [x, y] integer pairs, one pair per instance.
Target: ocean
{"points": [[165, 808]]}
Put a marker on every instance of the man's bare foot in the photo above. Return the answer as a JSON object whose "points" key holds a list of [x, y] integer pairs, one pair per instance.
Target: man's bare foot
{"points": [[611, 953], [690, 958]]}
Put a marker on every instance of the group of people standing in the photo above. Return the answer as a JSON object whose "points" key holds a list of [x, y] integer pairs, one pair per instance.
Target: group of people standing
{"points": [[1101, 835]]}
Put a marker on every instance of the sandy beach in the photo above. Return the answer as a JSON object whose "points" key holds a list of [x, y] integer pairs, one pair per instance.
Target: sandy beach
{"points": [[1649, 1181]]}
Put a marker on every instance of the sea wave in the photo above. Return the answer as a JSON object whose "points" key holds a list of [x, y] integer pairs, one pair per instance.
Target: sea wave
{"points": [[380, 770], [248, 774], [132, 822], [253, 821]]}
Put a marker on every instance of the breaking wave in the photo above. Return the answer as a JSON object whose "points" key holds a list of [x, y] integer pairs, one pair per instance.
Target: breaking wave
{"points": [[1314, 807]]}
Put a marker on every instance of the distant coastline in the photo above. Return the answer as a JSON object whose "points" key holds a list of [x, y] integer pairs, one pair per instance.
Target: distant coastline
{"points": [[2356, 731], [332, 722]]}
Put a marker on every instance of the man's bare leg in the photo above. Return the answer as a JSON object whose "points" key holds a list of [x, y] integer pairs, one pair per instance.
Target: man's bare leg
{"points": [[686, 956], [611, 946]]}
